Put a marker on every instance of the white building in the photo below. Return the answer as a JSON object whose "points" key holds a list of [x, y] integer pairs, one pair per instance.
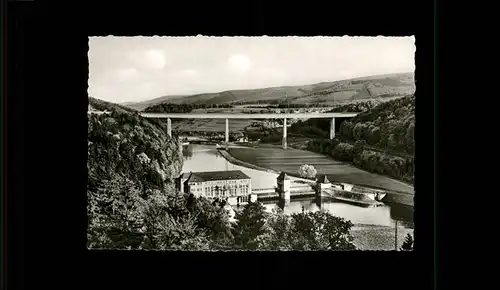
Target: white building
{"points": [[214, 184]]}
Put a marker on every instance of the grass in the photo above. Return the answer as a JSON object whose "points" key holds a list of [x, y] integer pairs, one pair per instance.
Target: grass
{"points": [[362, 94], [290, 160], [378, 238]]}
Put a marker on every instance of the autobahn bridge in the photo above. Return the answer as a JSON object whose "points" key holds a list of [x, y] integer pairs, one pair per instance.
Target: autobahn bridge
{"points": [[285, 116]]}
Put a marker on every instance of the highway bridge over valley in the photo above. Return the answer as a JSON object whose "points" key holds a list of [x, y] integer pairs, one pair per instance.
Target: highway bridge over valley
{"points": [[226, 116]]}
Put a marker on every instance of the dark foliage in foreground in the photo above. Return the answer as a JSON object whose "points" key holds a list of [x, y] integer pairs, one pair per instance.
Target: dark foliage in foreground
{"points": [[121, 219]]}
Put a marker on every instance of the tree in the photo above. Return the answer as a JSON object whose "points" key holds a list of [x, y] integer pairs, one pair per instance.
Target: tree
{"points": [[249, 225], [180, 233], [358, 147], [155, 206], [321, 231], [408, 243], [214, 220], [278, 232], [306, 231], [307, 171], [115, 214], [410, 142]]}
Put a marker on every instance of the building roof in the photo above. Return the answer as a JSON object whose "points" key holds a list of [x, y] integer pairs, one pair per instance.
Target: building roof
{"points": [[283, 176], [217, 175]]}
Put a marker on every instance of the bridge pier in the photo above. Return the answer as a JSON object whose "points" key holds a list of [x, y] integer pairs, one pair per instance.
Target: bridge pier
{"points": [[284, 134], [227, 130], [332, 128], [169, 127]]}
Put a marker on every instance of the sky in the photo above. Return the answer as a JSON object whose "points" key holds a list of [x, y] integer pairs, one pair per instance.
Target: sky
{"points": [[132, 69]]}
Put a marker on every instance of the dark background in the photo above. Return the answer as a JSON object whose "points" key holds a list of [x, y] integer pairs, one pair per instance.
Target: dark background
{"points": [[46, 134]]}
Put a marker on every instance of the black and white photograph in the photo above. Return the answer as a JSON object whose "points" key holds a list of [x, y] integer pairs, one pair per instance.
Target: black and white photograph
{"points": [[251, 143]]}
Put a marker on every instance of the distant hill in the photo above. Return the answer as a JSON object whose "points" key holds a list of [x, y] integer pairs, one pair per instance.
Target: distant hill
{"points": [[362, 88], [100, 105], [139, 106]]}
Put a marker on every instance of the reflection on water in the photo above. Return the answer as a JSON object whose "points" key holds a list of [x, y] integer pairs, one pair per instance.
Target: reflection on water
{"points": [[187, 151], [402, 213], [381, 215], [206, 158]]}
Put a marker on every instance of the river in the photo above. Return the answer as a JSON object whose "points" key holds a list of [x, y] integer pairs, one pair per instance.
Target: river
{"points": [[206, 158]]}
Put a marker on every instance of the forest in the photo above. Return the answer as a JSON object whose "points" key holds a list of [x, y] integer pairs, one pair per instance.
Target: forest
{"points": [[355, 107], [133, 203], [182, 108], [389, 125]]}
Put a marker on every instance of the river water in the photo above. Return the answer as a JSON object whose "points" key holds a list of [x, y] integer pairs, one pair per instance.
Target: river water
{"points": [[206, 158]]}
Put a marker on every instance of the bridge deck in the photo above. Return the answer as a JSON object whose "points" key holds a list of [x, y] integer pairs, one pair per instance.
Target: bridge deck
{"points": [[249, 116]]}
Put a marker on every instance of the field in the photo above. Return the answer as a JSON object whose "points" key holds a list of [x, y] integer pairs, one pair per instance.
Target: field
{"points": [[290, 160]]}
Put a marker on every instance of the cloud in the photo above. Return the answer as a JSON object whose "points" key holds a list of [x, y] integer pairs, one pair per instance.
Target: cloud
{"points": [[155, 59], [188, 73], [271, 72], [345, 73], [239, 63], [147, 59], [127, 74]]}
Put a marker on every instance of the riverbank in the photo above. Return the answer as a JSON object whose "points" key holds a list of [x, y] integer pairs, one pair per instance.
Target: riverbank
{"points": [[378, 238]]}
